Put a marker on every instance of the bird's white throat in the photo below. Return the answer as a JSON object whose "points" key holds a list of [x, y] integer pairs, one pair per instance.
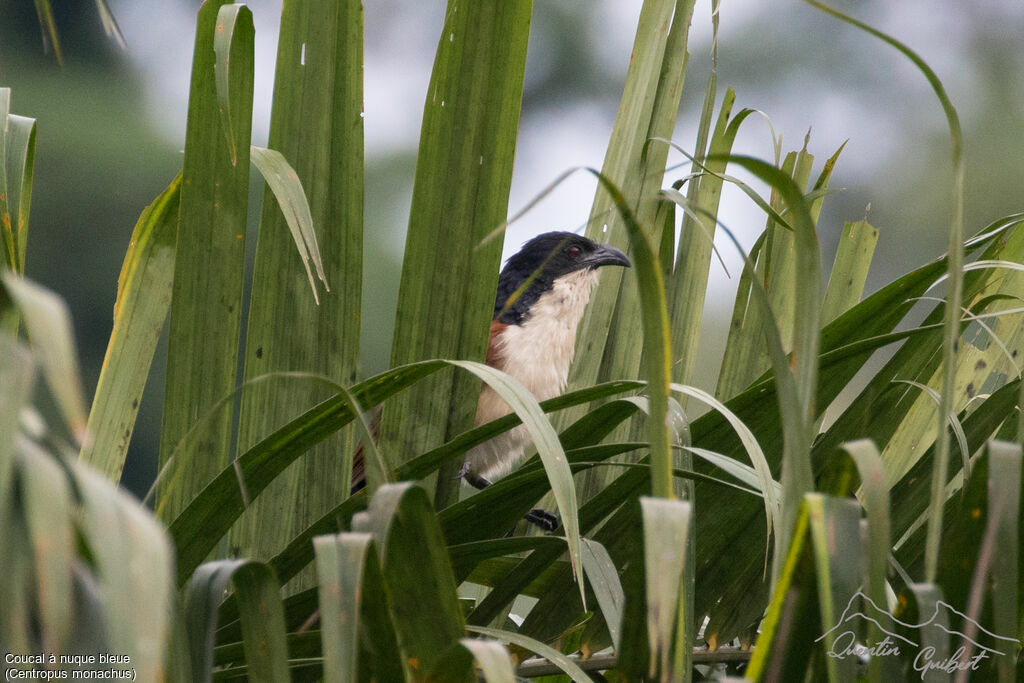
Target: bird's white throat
{"points": [[538, 354]]}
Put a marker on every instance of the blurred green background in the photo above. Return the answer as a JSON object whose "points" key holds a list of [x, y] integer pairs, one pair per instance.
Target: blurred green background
{"points": [[111, 124]]}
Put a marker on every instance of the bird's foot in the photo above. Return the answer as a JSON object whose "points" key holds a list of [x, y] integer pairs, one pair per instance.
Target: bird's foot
{"points": [[542, 518]]}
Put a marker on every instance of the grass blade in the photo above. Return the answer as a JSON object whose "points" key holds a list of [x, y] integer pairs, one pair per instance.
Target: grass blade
{"points": [[133, 560], [657, 342], [260, 609], [44, 11], [11, 249], [604, 580], [772, 501], [875, 494], [20, 151], [1003, 528], [850, 269], [140, 311], [688, 284], [623, 357], [206, 305], [223, 39], [47, 510], [835, 533], [110, 23], [263, 631], [317, 126], [353, 610], [667, 525], [623, 169], [286, 186], [49, 328], [567, 665], [17, 374], [954, 294], [424, 606], [787, 634], [799, 386], [463, 176]]}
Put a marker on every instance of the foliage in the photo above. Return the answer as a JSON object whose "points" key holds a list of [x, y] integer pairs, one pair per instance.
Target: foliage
{"points": [[814, 457]]}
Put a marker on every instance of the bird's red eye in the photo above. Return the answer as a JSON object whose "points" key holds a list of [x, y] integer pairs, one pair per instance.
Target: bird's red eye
{"points": [[574, 252]]}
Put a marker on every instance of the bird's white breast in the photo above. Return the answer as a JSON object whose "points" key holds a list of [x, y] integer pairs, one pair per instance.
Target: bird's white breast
{"points": [[538, 354]]}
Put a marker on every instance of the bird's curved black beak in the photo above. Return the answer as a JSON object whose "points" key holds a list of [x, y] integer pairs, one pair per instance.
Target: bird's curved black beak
{"points": [[606, 255]]}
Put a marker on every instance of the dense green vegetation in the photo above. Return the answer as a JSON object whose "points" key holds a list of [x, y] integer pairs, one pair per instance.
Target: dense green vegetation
{"points": [[817, 485]]}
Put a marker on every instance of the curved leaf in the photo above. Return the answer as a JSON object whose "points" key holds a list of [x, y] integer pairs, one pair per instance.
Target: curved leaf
{"points": [[571, 669], [140, 311], [48, 322], [262, 617], [211, 513], [353, 610], [223, 42], [287, 188]]}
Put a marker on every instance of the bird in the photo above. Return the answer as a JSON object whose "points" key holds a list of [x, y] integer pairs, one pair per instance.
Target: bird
{"points": [[543, 291]]}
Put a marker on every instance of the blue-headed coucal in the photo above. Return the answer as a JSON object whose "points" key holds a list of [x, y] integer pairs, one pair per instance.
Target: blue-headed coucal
{"points": [[542, 293]]}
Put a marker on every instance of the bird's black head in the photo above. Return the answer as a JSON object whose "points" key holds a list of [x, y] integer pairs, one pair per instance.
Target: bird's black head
{"points": [[534, 269]]}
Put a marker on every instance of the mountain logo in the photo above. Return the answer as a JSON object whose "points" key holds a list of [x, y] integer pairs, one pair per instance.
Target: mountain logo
{"points": [[842, 642]]}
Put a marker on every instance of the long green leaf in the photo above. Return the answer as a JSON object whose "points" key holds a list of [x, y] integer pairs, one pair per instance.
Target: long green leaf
{"points": [[571, 669], [353, 607], [110, 23], [47, 510], [657, 342], [666, 527], [624, 358], [211, 512], [140, 311], [463, 176], [317, 126], [688, 284], [850, 269], [260, 609], [876, 501], [206, 304], [133, 560], [19, 150], [44, 10], [954, 294], [604, 580], [223, 39], [791, 622], [837, 548], [287, 188], [797, 400], [11, 249], [753, 449], [624, 168], [17, 377], [1004, 509], [48, 322], [424, 606]]}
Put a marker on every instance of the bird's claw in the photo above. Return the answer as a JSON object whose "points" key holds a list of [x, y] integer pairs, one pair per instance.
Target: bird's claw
{"points": [[542, 518]]}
